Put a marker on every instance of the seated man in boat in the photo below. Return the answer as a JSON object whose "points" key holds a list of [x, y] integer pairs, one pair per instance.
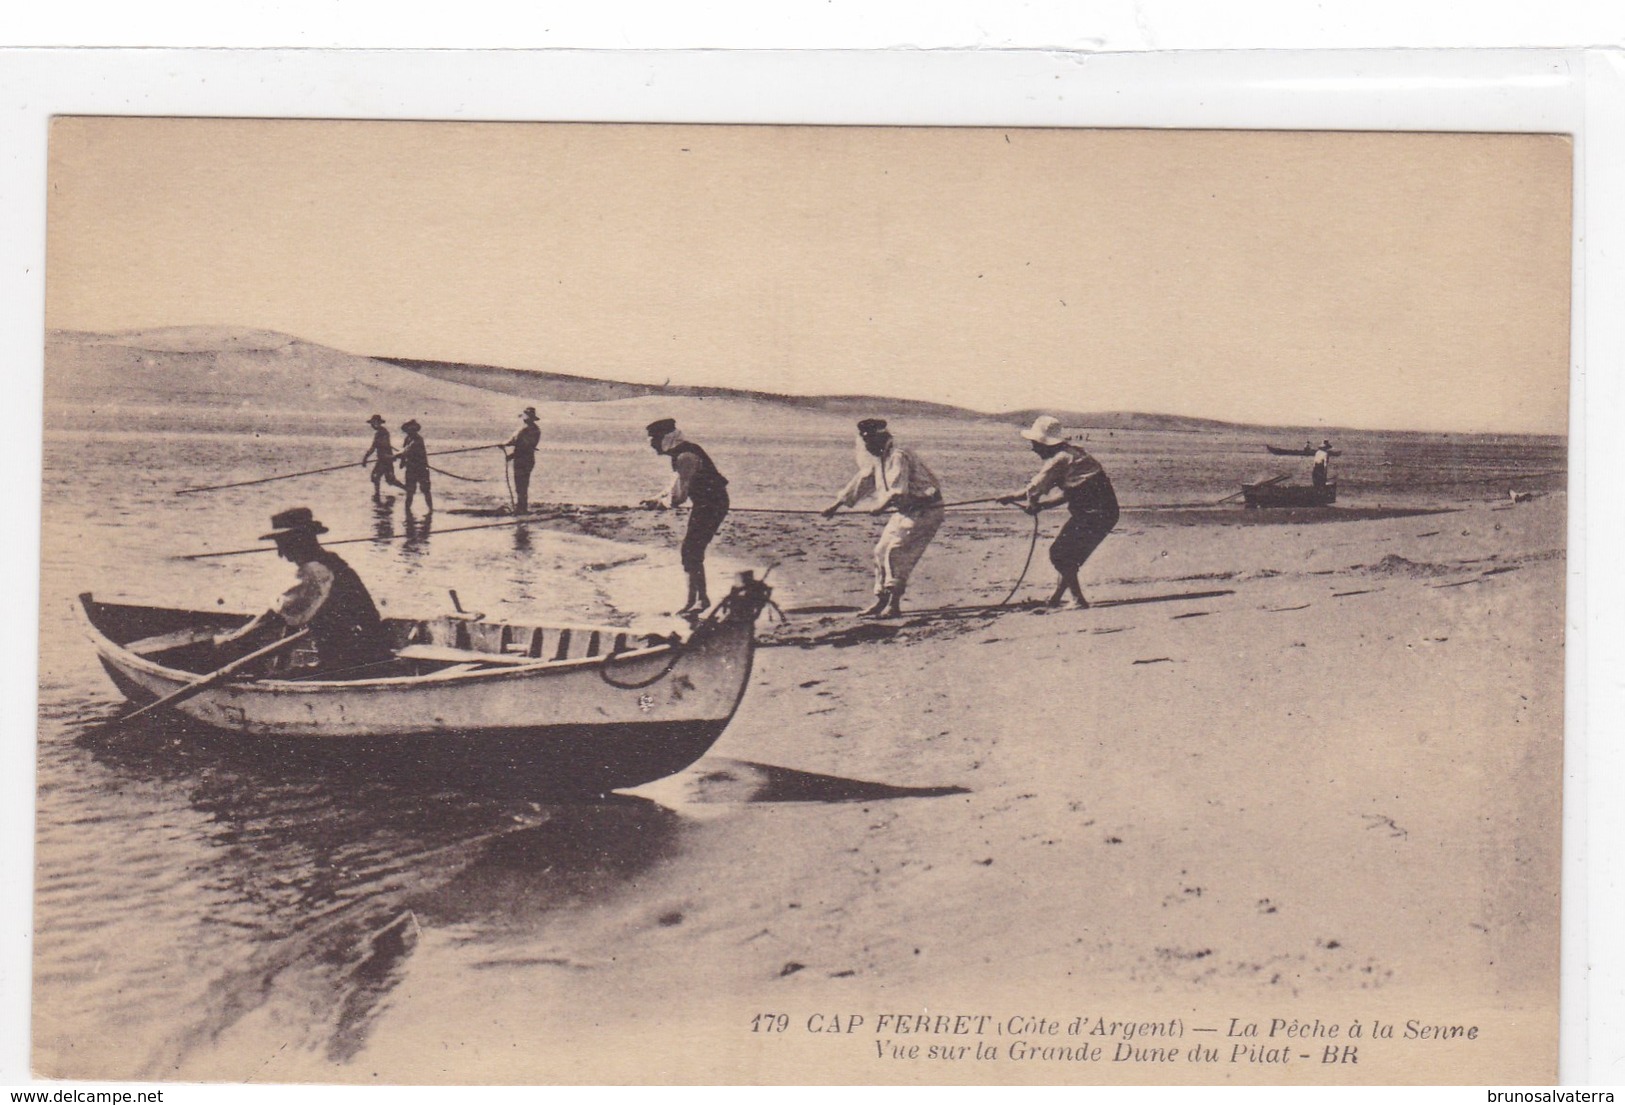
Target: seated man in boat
{"points": [[328, 599], [1087, 492]]}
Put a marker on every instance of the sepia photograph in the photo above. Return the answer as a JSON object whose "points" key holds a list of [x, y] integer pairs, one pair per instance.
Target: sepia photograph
{"points": [[602, 603]]}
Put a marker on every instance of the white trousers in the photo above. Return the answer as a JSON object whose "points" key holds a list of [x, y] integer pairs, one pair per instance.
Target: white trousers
{"points": [[901, 545]]}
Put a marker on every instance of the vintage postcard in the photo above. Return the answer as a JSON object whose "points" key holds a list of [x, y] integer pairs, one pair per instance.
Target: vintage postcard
{"points": [[601, 603]]}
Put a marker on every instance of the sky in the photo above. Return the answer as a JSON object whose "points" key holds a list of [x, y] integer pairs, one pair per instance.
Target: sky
{"points": [[1398, 281]]}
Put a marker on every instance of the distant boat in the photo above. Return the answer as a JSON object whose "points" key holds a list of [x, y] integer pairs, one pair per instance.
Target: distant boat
{"points": [[1276, 450], [578, 708], [1272, 493]]}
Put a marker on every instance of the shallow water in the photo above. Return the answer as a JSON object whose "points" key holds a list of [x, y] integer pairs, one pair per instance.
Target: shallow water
{"points": [[187, 893]]}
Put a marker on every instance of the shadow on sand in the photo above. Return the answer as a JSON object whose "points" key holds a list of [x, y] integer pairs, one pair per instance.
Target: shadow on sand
{"points": [[732, 782], [881, 629]]}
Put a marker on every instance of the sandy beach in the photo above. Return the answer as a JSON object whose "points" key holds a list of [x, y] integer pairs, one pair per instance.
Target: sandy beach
{"points": [[1326, 789]]}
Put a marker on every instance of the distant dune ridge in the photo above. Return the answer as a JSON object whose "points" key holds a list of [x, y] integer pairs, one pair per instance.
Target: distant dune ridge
{"points": [[262, 373]]}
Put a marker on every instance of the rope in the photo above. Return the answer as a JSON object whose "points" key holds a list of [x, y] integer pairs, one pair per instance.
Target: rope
{"points": [[381, 540], [455, 476], [666, 669], [1031, 547], [567, 512], [314, 472]]}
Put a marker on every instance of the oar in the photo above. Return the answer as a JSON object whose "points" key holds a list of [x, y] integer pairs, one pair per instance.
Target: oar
{"points": [[219, 675], [319, 471]]}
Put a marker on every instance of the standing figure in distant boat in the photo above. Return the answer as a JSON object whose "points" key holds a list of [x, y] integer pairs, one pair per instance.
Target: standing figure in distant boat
{"points": [[1323, 458], [327, 598], [415, 461], [1087, 492], [899, 480], [696, 481], [383, 468], [520, 450]]}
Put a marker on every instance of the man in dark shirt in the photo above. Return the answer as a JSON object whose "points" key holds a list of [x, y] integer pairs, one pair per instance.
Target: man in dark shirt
{"points": [[696, 481], [327, 598], [521, 451], [414, 460], [1087, 492], [383, 450]]}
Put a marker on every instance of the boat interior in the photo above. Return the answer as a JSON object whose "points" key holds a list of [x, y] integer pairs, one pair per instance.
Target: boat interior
{"points": [[453, 644]]}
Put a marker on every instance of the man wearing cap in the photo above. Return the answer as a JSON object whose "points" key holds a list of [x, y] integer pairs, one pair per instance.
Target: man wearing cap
{"points": [[899, 480], [521, 451], [1323, 458], [697, 481], [415, 461], [327, 598], [1087, 493], [384, 467]]}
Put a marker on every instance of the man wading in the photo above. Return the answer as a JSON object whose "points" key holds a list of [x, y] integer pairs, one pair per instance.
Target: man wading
{"points": [[414, 460], [696, 481], [382, 453], [898, 479], [521, 451], [1085, 490], [328, 599]]}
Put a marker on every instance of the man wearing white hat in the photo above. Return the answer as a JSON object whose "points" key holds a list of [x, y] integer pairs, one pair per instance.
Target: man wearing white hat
{"points": [[1087, 493], [899, 481]]}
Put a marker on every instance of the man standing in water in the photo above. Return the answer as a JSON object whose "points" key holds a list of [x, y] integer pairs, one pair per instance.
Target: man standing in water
{"points": [[383, 450], [415, 461], [696, 481], [1087, 493], [521, 451], [1323, 459], [327, 598], [898, 480]]}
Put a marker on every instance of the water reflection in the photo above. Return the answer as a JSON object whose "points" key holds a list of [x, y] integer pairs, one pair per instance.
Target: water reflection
{"points": [[328, 872], [417, 533], [521, 539], [383, 518]]}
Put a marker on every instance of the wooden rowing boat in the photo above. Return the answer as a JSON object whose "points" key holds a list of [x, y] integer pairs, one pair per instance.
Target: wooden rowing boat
{"points": [[1272, 493], [588, 708], [1276, 450]]}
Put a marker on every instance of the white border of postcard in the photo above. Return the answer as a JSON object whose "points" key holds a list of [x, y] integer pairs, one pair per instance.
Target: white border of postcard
{"points": [[1581, 92]]}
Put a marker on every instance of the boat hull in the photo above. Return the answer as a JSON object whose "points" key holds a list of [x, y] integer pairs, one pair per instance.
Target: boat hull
{"points": [[1269, 495], [591, 723]]}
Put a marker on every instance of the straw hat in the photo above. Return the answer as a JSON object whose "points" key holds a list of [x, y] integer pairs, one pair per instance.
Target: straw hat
{"points": [[294, 520], [1046, 430]]}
